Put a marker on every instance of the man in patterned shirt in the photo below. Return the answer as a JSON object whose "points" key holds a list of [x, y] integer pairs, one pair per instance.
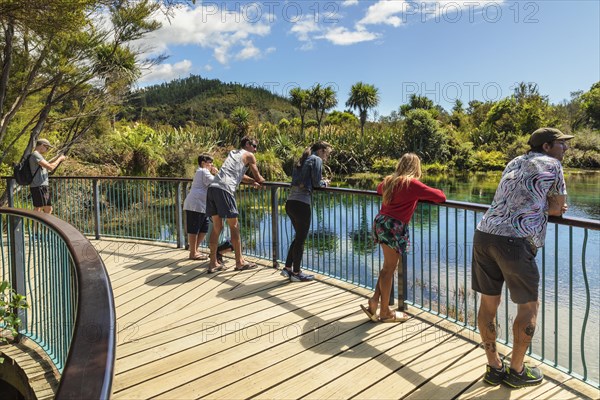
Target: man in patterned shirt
{"points": [[505, 244]]}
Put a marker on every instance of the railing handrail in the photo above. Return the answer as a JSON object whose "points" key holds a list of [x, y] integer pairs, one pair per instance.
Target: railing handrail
{"points": [[88, 371], [463, 205], [571, 221]]}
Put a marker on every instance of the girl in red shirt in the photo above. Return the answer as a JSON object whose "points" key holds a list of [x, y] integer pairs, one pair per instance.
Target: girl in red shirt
{"points": [[401, 192]]}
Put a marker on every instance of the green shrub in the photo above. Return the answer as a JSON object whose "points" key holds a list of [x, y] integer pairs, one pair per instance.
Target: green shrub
{"points": [[488, 160], [435, 168], [384, 165], [10, 304], [270, 166]]}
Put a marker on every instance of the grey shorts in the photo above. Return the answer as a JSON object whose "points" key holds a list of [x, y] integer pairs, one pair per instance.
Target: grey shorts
{"points": [[497, 259], [221, 203]]}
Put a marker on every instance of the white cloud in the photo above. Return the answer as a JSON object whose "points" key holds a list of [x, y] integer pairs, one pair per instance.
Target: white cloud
{"points": [[343, 37], [209, 26], [307, 30], [304, 28], [398, 12], [349, 3], [384, 12], [249, 51], [167, 72]]}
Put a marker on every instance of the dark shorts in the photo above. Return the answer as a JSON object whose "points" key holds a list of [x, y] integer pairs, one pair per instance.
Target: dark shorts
{"points": [[196, 222], [221, 203], [497, 259], [391, 232], [41, 196]]}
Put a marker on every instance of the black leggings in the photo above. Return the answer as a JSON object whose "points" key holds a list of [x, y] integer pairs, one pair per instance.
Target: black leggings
{"points": [[300, 214]]}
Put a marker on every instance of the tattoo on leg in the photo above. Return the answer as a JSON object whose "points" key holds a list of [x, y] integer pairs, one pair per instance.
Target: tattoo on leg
{"points": [[491, 327], [530, 330], [489, 346]]}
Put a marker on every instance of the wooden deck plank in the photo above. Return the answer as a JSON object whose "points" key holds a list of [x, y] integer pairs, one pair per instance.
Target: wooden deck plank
{"points": [[197, 307], [417, 371], [381, 339], [455, 378], [202, 293], [357, 380], [216, 339], [197, 380], [184, 333], [286, 346], [208, 326]]}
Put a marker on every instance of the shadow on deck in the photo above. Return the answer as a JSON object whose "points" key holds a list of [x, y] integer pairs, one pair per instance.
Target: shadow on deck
{"points": [[184, 333]]}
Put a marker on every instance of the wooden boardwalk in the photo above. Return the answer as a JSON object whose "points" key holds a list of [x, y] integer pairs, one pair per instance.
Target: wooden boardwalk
{"points": [[186, 334]]}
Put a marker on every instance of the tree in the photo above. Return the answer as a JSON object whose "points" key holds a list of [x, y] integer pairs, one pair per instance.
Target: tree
{"points": [[590, 104], [422, 136], [64, 65], [418, 102], [363, 97], [240, 117], [532, 109], [341, 118], [321, 99], [300, 98], [458, 114]]}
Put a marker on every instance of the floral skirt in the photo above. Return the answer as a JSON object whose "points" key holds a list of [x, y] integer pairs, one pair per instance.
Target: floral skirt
{"points": [[391, 232]]}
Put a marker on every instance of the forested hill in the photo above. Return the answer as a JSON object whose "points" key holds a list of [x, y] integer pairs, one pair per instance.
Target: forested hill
{"points": [[203, 101]]}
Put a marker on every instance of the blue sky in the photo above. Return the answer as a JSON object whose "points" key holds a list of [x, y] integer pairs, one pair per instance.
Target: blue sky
{"points": [[472, 50]]}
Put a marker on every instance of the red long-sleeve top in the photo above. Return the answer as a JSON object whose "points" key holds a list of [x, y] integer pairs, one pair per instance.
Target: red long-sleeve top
{"points": [[404, 201]]}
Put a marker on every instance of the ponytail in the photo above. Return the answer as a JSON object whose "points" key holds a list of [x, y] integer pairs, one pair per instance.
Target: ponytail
{"points": [[311, 149]]}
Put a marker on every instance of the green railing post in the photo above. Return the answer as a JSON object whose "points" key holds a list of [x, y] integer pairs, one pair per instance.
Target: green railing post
{"points": [[402, 283], [10, 190], [275, 225], [96, 186], [17, 262], [179, 212]]}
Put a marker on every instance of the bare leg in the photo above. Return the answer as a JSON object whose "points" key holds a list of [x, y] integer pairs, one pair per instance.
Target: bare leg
{"points": [[193, 243], [486, 321], [236, 241], [213, 242], [523, 330], [385, 281]]}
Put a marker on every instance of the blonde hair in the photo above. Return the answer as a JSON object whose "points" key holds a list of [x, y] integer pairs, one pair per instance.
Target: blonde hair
{"points": [[408, 168]]}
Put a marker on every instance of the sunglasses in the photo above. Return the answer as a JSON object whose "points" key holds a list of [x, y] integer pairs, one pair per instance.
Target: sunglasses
{"points": [[254, 145]]}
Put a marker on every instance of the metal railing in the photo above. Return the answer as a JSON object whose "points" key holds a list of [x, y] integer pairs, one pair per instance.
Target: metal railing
{"points": [[436, 272], [71, 313]]}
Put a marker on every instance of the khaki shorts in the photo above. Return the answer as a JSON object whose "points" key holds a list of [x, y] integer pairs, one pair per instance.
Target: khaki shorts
{"points": [[497, 259]]}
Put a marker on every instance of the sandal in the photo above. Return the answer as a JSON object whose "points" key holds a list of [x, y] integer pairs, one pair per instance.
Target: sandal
{"points": [[217, 269], [201, 257], [398, 317], [246, 267], [372, 316]]}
